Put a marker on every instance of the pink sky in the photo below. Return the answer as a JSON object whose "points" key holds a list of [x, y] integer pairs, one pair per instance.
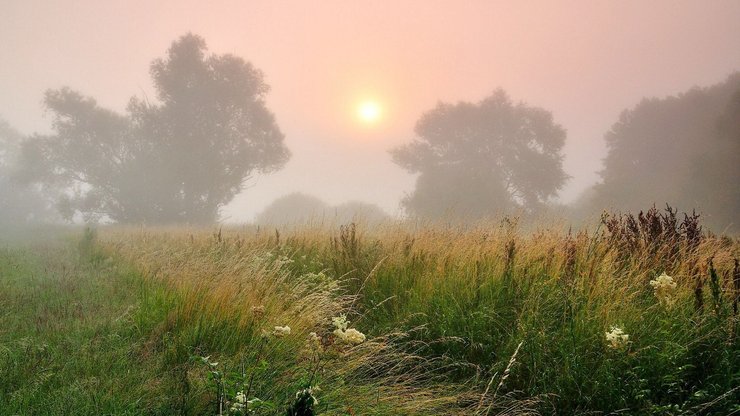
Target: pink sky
{"points": [[585, 61]]}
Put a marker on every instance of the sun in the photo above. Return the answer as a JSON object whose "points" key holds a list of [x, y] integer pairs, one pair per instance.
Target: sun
{"points": [[369, 112]]}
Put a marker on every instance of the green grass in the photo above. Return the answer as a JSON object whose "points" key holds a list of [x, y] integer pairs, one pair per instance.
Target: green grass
{"points": [[115, 323], [477, 301], [474, 296], [84, 332], [73, 335]]}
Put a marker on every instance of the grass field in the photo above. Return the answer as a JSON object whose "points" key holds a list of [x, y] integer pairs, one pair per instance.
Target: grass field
{"points": [[487, 320]]}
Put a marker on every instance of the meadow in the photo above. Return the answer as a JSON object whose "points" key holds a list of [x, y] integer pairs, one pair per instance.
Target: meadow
{"points": [[632, 315]]}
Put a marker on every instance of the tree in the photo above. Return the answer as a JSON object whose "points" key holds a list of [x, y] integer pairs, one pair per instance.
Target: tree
{"points": [[295, 208], [479, 160], [712, 184], [18, 203], [9, 141], [359, 212], [682, 150], [298, 208], [177, 160]]}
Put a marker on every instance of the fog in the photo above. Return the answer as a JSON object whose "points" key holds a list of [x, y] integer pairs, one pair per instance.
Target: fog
{"points": [[584, 62]]}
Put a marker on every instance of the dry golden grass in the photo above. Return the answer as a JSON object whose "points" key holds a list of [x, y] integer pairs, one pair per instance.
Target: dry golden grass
{"points": [[235, 276], [568, 287]]}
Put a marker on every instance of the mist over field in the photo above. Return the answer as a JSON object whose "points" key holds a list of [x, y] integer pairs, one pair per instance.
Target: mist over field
{"points": [[353, 90], [252, 207]]}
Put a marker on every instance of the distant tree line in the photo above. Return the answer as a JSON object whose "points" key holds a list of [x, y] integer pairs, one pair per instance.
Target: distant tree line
{"points": [[682, 150], [298, 208], [183, 156]]}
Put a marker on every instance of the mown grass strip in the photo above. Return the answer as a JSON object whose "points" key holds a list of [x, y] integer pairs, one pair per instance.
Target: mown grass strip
{"points": [[73, 335]]}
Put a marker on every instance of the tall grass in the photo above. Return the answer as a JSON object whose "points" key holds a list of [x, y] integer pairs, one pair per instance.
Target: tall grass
{"points": [[481, 320], [234, 289]]}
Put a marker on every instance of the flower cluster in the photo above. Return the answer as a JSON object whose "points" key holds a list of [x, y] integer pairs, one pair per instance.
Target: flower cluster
{"points": [[307, 394], [616, 338], [351, 336], [320, 276], [340, 322], [283, 261], [281, 331], [664, 287], [240, 401], [240, 397], [304, 402], [319, 281], [348, 336]]}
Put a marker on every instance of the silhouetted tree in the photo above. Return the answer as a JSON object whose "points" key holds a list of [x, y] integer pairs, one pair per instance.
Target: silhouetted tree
{"points": [[682, 150], [19, 203], [714, 183], [178, 160], [295, 208], [479, 160], [298, 208], [359, 212], [9, 141]]}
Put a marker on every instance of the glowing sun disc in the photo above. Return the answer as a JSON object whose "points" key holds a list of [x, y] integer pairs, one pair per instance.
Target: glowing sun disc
{"points": [[369, 111]]}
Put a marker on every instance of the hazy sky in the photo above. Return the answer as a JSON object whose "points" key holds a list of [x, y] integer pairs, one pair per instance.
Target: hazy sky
{"points": [[585, 61]]}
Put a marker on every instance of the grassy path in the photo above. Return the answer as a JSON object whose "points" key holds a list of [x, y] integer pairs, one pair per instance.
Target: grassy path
{"points": [[73, 336]]}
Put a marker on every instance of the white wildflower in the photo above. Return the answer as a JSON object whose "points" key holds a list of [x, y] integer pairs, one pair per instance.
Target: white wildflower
{"points": [[207, 361], [354, 336], [340, 322], [307, 394], [240, 401], [664, 287], [315, 277], [281, 331], [254, 402], [616, 338], [320, 280], [283, 260], [350, 336]]}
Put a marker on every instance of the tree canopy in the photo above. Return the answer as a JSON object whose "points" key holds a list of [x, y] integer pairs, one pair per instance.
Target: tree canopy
{"points": [[682, 150], [299, 208], [179, 159], [480, 160], [18, 203], [293, 208], [359, 212]]}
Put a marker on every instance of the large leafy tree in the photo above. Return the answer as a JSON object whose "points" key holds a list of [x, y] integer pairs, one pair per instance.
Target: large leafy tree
{"points": [[19, 203], [682, 150], [484, 159], [179, 159], [717, 170]]}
